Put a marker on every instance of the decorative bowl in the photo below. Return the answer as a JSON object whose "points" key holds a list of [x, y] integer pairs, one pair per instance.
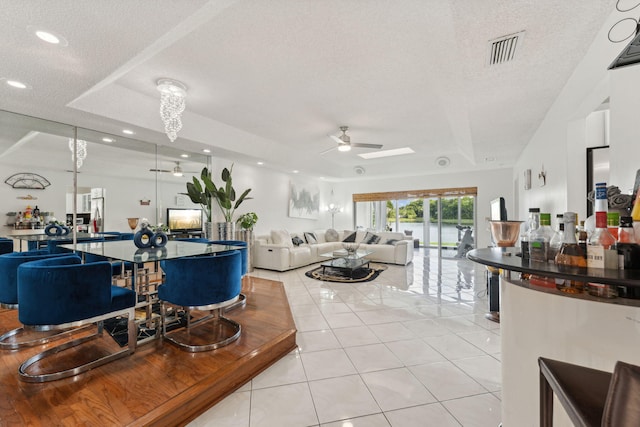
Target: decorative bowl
{"points": [[351, 248], [505, 233]]}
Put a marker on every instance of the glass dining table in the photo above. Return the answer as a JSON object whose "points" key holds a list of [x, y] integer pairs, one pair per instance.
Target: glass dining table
{"points": [[141, 276], [43, 238]]}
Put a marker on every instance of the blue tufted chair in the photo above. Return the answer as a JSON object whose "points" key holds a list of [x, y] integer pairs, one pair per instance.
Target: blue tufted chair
{"points": [[245, 263], [61, 292], [205, 283], [6, 245], [9, 263], [54, 245]]}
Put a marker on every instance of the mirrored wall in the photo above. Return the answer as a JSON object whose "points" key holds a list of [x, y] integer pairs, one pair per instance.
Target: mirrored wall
{"points": [[118, 177]]}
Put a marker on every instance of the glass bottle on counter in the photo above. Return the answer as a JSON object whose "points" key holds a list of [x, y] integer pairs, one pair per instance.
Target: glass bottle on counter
{"points": [[557, 238], [571, 254], [601, 252], [530, 225], [626, 246], [539, 239], [613, 220], [581, 236]]}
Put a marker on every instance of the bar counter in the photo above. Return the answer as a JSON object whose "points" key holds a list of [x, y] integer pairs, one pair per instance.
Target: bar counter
{"points": [[539, 321]]}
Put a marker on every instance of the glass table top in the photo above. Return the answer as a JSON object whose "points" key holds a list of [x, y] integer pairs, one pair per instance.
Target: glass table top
{"points": [[41, 237], [342, 253], [126, 250]]}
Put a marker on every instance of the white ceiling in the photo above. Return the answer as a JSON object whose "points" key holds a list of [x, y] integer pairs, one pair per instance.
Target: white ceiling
{"points": [[269, 80]]}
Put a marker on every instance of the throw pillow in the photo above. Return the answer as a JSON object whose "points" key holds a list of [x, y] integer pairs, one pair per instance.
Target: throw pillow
{"points": [[392, 241], [371, 238], [281, 237], [331, 235], [351, 238], [310, 238], [297, 241]]}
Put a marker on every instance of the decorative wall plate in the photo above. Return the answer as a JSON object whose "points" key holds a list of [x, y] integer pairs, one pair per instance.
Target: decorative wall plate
{"points": [[32, 181]]}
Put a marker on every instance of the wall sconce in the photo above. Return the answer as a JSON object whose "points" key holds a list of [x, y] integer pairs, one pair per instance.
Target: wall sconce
{"points": [[542, 176], [527, 179]]}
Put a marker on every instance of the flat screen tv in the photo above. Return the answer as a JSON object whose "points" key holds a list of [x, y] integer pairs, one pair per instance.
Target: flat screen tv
{"points": [[184, 220]]}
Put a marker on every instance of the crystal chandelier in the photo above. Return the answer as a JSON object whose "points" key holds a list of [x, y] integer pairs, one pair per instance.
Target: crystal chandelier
{"points": [[81, 151], [172, 104]]}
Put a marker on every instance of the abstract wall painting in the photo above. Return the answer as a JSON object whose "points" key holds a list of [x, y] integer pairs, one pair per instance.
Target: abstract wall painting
{"points": [[304, 200]]}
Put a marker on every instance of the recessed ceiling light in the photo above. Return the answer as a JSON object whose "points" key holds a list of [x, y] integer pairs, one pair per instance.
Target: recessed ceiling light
{"points": [[184, 156], [295, 171], [109, 140], [17, 84], [48, 36], [260, 163], [128, 132], [386, 153], [206, 150]]}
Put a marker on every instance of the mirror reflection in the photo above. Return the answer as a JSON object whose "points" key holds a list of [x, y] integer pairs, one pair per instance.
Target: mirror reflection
{"points": [[119, 178]]}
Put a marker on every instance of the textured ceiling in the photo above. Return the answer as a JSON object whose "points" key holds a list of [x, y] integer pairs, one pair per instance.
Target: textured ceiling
{"points": [[270, 80]]}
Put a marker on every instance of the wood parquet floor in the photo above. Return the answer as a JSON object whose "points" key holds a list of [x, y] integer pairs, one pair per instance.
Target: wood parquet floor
{"points": [[159, 385]]}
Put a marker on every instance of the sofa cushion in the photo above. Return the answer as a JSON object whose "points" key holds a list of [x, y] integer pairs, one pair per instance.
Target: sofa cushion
{"points": [[310, 237], [351, 238], [281, 237], [331, 235], [297, 241], [371, 238]]}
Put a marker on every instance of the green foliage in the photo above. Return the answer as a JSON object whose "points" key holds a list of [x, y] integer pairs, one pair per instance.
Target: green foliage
{"points": [[225, 195], [248, 220]]}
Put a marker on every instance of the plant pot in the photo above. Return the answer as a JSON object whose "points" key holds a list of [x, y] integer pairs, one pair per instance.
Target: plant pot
{"points": [[248, 237], [226, 230], [208, 231]]}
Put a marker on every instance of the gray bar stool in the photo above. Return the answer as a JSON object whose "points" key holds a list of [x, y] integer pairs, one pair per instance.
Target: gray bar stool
{"points": [[589, 396]]}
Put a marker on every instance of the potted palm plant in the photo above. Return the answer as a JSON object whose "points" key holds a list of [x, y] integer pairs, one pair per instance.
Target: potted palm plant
{"points": [[225, 197]]}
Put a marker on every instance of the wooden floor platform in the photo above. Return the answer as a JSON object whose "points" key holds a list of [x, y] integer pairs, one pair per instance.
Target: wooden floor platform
{"points": [[159, 385]]}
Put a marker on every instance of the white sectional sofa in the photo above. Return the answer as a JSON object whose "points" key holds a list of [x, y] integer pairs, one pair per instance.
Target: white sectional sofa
{"points": [[277, 251]]}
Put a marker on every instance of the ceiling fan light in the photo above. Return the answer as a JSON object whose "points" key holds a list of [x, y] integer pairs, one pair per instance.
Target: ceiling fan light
{"points": [[344, 147], [177, 171]]}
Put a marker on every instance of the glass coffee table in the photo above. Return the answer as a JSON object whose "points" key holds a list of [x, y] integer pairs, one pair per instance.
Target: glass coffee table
{"points": [[346, 261]]}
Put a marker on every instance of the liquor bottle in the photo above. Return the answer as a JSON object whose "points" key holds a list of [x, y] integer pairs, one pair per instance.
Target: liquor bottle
{"points": [[531, 224], [635, 214], [581, 236], [557, 238], [601, 252], [613, 220], [539, 239], [626, 246], [570, 253]]}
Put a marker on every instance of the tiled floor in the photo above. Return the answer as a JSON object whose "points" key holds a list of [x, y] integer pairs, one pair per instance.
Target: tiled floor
{"points": [[411, 348]]}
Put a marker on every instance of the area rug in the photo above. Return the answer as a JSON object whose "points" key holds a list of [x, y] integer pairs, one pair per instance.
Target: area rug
{"points": [[337, 275]]}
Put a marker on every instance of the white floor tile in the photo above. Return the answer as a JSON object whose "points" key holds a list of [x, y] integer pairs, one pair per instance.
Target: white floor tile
{"points": [[342, 398], [476, 411], [394, 331], [343, 320], [327, 364], [287, 370], [354, 336], [484, 369], [317, 340], [311, 323], [433, 415], [485, 340], [374, 357], [396, 388], [446, 381], [377, 420], [414, 352], [232, 411], [453, 347], [288, 405]]}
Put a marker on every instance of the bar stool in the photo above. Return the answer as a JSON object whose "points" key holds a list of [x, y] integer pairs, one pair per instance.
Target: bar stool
{"points": [[589, 396]]}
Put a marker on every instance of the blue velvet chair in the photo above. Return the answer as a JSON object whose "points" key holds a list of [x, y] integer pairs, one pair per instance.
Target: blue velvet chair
{"points": [[9, 264], [61, 292], [205, 283], [245, 264], [53, 246], [6, 245]]}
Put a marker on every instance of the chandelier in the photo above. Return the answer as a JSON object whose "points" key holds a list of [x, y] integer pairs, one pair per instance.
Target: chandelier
{"points": [[172, 104], [81, 151]]}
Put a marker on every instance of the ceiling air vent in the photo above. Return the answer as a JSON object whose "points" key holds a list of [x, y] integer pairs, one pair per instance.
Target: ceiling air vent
{"points": [[503, 49]]}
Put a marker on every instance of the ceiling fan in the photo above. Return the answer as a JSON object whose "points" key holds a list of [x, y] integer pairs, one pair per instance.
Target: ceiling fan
{"points": [[345, 144], [176, 171]]}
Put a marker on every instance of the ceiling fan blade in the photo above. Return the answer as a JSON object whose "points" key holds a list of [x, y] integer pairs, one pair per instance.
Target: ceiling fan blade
{"points": [[336, 139], [329, 149], [356, 144], [159, 170]]}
